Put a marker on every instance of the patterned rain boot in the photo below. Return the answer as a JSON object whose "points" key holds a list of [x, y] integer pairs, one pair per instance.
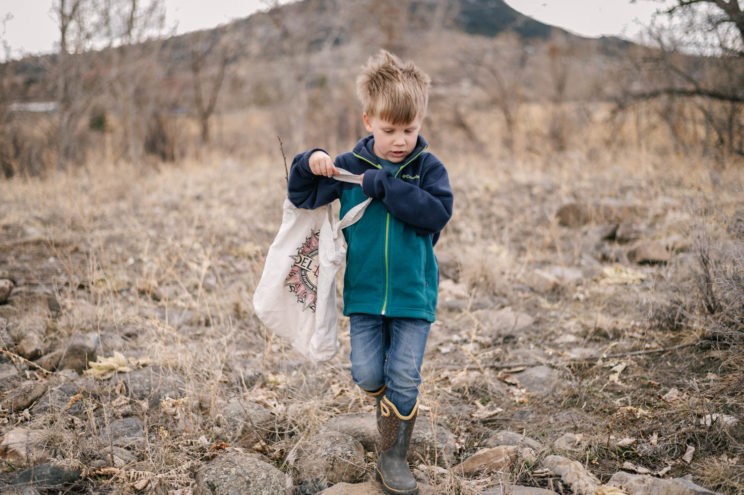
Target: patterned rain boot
{"points": [[392, 467], [378, 397]]}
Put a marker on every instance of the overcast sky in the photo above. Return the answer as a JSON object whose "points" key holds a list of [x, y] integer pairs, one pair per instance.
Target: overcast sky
{"points": [[29, 28]]}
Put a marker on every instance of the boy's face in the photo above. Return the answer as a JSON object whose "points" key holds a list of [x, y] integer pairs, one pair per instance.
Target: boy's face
{"points": [[393, 142]]}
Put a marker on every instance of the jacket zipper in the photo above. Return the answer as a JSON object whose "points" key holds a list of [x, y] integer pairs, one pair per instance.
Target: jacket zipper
{"points": [[387, 226]]}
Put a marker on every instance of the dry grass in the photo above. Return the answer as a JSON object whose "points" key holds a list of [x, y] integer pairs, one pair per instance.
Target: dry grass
{"points": [[162, 264]]}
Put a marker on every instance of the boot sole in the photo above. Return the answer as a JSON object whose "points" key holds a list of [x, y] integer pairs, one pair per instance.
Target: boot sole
{"points": [[393, 491]]}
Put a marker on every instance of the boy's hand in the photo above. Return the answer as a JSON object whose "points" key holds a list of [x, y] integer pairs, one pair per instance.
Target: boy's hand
{"points": [[321, 164]]}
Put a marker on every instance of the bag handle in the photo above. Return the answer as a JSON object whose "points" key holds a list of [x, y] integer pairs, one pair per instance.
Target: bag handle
{"points": [[353, 215]]}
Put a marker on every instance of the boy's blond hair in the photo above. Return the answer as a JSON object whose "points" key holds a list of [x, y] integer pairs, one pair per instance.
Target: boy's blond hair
{"points": [[392, 90]]}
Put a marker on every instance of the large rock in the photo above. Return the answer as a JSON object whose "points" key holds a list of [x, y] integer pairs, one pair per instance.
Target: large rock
{"points": [[6, 287], [573, 473], [361, 426], [331, 457], [239, 473], [47, 476], [23, 446], [125, 432], [244, 422], [648, 253], [23, 396], [639, 484], [432, 441], [30, 346], [81, 349], [488, 461]]}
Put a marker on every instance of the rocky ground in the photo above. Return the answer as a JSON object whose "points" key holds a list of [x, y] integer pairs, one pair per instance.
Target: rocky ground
{"points": [[570, 353]]}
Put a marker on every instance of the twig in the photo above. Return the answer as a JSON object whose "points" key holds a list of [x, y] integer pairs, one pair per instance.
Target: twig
{"points": [[284, 157], [563, 362], [15, 357]]}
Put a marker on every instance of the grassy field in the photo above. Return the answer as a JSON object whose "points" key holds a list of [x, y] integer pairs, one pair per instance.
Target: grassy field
{"points": [[162, 263]]}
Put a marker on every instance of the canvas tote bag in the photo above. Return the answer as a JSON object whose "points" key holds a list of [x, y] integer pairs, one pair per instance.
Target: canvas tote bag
{"points": [[296, 296]]}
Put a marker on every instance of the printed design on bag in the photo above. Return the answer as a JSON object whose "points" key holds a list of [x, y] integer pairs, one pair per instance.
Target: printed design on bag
{"points": [[303, 277]]}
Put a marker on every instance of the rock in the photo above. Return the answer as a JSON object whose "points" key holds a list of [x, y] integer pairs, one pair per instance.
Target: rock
{"points": [[8, 371], [368, 488], [449, 266], [649, 253], [570, 441], [628, 232], [573, 215], [613, 210], [542, 282], [126, 432], [361, 426], [51, 360], [581, 481], [541, 380], [30, 346], [5, 339], [641, 484], [33, 323], [332, 457], [245, 422], [24, 447], [81, 349], [20, 490], [506, 437], [239, 473], [518, 490], [506, 321], [432, 441], [152, 384], [6, 287], [23, 396], [65, 397], [488, 461], [47, 476], [116, 456], [246, 373]]}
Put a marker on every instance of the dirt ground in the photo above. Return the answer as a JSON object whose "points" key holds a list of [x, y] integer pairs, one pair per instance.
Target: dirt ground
{"points": [[586, 324]]}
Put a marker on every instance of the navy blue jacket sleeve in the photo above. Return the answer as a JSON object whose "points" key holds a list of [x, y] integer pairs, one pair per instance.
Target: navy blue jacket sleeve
{"points": [[307, 190], [427, 206]]}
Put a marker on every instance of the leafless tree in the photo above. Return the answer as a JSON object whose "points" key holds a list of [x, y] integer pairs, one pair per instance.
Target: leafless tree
{"points": [[701, 49], [209, 60]]}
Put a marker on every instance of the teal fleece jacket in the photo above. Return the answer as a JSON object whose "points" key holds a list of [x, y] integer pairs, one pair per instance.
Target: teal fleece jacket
{"points": [[391, 269]]}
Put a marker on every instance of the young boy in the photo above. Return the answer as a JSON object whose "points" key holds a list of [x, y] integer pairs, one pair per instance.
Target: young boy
{"points": [[391, 278]]}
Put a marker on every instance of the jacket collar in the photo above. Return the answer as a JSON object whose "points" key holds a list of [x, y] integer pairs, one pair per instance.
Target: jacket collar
{"points": [[364, 149]]}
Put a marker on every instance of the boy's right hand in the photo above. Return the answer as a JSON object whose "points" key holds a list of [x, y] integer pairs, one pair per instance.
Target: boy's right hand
{"points": [[321, 164]]}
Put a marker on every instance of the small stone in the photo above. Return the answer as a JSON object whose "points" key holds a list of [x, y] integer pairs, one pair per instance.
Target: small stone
{"points": [[488, 461], [573, 215], [24, 396], [245, 422], [152, 384], [126, 432], [80, 351], [47, 476], [240, 473], [6, 287], [573, 473], [641, 484], [51, 360], [332, 456], [23, 447], [648, 253], [506, 437], [628, 232], [505, 321], [570, 441], [541, 380], [518, 490], [30, 346]]}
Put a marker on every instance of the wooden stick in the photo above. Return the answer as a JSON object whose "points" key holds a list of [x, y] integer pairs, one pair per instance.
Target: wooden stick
{"points": [[563, 362]]}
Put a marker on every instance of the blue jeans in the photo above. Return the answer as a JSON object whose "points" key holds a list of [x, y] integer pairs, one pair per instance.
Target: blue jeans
{"points": [[388, 351]]}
